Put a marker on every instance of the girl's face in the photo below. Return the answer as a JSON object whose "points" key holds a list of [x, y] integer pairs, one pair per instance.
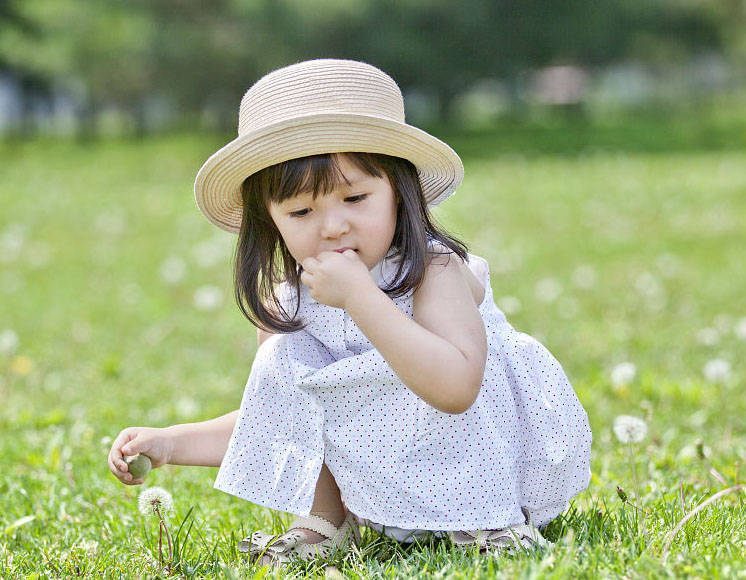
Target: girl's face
{"points": [[359, 213]]}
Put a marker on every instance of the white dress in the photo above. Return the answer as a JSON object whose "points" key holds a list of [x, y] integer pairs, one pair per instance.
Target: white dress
{"points": [[325, 394]]}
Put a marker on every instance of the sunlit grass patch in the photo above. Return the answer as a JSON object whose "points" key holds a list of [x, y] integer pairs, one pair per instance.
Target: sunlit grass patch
{"points": [[117, 310]]}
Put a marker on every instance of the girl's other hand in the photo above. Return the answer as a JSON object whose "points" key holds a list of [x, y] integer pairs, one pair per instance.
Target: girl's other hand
{"points": [[155, 443], [333, 278]]}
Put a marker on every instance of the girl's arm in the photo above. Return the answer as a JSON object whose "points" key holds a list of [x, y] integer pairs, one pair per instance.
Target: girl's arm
{"points": [[202, 443], [441, 353]]}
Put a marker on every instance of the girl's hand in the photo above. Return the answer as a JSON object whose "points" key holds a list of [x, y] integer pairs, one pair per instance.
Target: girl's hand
{"points": [[334, 278], [153, 442]]}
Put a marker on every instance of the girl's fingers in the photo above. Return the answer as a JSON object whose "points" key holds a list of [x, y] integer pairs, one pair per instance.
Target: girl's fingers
{"points": [[117, 453], [309, 263], [121, 475]]}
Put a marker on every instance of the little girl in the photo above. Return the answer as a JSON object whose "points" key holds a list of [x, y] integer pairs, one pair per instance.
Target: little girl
{"points": [[388, 389]]}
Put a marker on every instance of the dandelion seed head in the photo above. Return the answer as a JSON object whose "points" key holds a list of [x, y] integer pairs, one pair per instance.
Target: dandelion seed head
{"points": [[130, 293], [648, 285], [708, 336], [623, 374], [172, 270], [584, 276], [548, 289], [12, 241], [152, 498], [8, 341], [629, 429], [668, 264], [740, 328], [209, 253], [509, 304], [111, 222], [208, 298], [187, 407], [716, 370]]}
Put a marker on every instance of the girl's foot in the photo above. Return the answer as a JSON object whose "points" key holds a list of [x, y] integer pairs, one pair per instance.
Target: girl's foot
{"points": [[316, 536]]}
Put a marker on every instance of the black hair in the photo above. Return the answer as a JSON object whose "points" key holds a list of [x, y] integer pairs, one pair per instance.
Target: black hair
{"points": [[263, 262]]}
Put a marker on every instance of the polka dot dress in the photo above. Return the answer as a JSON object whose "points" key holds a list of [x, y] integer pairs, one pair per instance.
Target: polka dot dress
{"points": [[325, 394]]}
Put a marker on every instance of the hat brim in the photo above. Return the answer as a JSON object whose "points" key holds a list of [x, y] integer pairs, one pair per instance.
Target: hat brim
{"points": [[217, 188]]}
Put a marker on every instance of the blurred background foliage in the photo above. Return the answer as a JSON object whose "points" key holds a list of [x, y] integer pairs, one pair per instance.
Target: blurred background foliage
{"points": [[89, 67]]}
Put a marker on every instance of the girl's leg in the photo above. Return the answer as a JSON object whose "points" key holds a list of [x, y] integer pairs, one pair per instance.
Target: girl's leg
{"points": [[327, 502]]}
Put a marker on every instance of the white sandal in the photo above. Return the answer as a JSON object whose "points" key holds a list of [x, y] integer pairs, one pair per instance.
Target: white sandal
{"points": [[293, 543], [511, 539]]}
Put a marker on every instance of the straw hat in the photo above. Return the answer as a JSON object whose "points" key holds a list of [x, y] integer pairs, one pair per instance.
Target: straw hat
{"points": [[313, 107]]}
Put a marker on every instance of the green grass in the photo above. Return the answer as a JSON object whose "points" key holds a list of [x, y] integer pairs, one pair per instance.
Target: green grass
{"points": [[636, 226]]}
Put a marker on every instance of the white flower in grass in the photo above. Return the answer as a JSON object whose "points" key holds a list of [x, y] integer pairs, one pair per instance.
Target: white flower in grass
{"points": [[208, 298], [629, 429], [668, 264], [208, 253], [648, 285], [12, 241], [8, 341], [186, 407], [130, 293], [172, 270], [716, 370], [154, 498], [548, 289], [740, 328], [111, 222], [623, 374], [708, 336], [584, 276], [509, 304]]}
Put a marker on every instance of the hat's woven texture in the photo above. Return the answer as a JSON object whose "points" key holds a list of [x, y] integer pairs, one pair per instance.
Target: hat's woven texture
{"points": [[313, 107]]}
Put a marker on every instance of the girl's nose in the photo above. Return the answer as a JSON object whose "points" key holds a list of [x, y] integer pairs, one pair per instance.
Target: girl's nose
{"points": [[334, 225]]}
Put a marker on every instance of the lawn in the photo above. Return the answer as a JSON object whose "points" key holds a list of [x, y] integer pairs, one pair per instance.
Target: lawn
{"points": [[620, 245]]}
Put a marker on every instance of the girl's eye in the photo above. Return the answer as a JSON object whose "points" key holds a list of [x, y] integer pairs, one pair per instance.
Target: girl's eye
{"points": [[356, 198], [299, 213]]}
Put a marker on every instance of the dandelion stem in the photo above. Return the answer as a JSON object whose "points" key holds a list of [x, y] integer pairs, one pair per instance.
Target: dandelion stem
{"points": [[637, 492], [163, 528], [681, 497], [160, 535]]}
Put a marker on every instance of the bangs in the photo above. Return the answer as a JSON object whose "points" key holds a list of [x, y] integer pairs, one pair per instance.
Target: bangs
{"points": [[263, 262], [315, 174]]}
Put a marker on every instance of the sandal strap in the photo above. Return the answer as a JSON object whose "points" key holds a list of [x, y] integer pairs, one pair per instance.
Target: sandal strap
{"points": [[284, 547], [317, 524]]}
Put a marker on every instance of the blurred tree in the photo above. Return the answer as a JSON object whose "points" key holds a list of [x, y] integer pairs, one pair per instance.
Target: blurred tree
{"points": [[96, 50], [33, 86], [442, 46], [729, 19], [201, 55]]}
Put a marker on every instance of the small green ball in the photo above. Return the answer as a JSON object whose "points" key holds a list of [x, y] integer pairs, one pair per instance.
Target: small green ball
{"points": [[138, 465]]}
